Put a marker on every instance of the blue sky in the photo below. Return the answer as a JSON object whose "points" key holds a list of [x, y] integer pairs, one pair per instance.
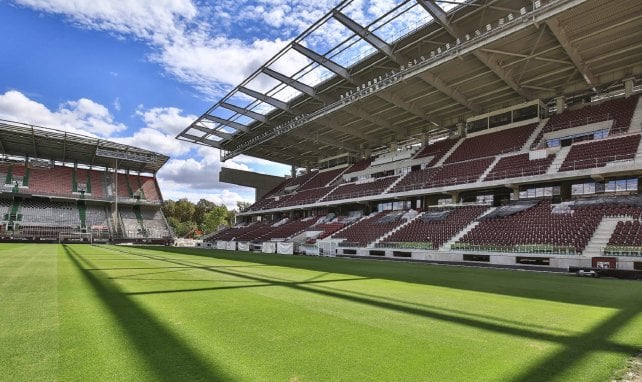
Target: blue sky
{"points": [[138, 71]]}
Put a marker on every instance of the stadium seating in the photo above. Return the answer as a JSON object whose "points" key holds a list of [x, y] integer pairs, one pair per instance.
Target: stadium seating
{"points": [[619, 110], [369, 229], [598, 153], [321, 179], [289, 229], [565, 228], [491, 144], [459, 173], [519, 165], [436, 150], [307, 196], [360, 165], [360, 189], [435, 227]]}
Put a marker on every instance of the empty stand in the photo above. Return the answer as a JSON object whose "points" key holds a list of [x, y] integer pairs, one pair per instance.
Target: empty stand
{"points": [[436, 150], [565, 228], [519, 165], [370, 229], [321, 179], [289, 229], [459, 173], [598, 153], [302, 197], [435, 227], [357, 190], [491, 144]]}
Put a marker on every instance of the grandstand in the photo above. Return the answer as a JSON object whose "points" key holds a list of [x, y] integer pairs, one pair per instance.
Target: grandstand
{"points": [[57, 185], [488, 132]]}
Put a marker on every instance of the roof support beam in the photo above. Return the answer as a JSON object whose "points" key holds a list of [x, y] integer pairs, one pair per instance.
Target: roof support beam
{"points": [[211, 131], [225, 122], [300, 86], [571, 51], [248, 113], [440, 16], [325, 62], [267, 99], [207, 142], [334, 125], [364, 114], [310, 136], [364, 33], [402, 59]]}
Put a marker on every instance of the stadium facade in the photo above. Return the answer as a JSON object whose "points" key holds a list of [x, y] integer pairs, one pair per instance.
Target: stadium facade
{"points": [[499, 132], [63, 187]]}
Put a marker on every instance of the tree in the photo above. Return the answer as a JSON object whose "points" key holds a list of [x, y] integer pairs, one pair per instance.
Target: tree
{"points": [[215, 218], [242, 205], [201, 209], [184, 210]]}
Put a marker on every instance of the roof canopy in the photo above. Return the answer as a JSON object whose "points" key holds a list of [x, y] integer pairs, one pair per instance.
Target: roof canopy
{"points": [[24, 140], [419, 68]]}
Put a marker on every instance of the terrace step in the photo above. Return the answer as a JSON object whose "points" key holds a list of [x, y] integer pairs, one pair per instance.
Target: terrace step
{"points": [[602, 235], [468, 228], [448, 153], [636, 120], [559, 159], [397, 228], [536, 132]]}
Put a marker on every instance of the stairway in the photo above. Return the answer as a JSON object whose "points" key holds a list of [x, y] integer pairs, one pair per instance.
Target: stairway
{"points": [[559, 159], [139, 217], [535, 135], [447, 154], [492, 165], [82, 214], [387, 234], [468, 228], [394, 183], [602, 235], [636, 120]]}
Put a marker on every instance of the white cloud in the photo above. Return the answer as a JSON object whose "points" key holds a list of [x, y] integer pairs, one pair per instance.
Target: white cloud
{"points": [[82, 116]]}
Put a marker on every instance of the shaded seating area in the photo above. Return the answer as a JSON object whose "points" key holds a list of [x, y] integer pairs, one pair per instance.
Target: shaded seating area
{"points": [[368, 230], [601, 152], [356, 190], [321, 179], [436, 150], [565, 228], [519, 165], [459, 173], [434, 228], [491, 144]]}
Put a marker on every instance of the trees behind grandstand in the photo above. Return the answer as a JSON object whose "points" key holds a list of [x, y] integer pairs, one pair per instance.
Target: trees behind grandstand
{"points": [[186, 217]]}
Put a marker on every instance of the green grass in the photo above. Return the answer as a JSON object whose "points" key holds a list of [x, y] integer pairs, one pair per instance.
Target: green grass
{"points": [[125, 313]]}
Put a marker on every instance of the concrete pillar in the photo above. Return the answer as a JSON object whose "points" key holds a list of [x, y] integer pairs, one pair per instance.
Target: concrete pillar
{"points": [[393, 146], [367, 153], [293, 171], [455, 197], [461, 129], [559, 104], [424, 139], [628, 87], [515, 192]]}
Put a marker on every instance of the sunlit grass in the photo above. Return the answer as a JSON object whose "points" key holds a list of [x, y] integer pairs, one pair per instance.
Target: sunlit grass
{"points": [[124, 313]]}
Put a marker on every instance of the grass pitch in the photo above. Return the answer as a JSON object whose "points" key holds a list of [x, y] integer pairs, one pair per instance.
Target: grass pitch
{"points": [[80, 312]]}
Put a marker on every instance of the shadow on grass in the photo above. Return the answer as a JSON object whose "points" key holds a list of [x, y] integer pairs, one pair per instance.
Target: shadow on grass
{"points": [[573, 347], [496, 281], [166, 354]]}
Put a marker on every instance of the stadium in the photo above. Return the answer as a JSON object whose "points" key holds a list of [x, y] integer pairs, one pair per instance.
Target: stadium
{"points": [[454, 165], [504, 133], [63, 187]]}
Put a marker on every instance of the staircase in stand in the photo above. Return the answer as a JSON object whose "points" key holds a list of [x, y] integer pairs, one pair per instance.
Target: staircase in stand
{"points": [[602, 235], [559, 159], [468, 228], [397, 228]]}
